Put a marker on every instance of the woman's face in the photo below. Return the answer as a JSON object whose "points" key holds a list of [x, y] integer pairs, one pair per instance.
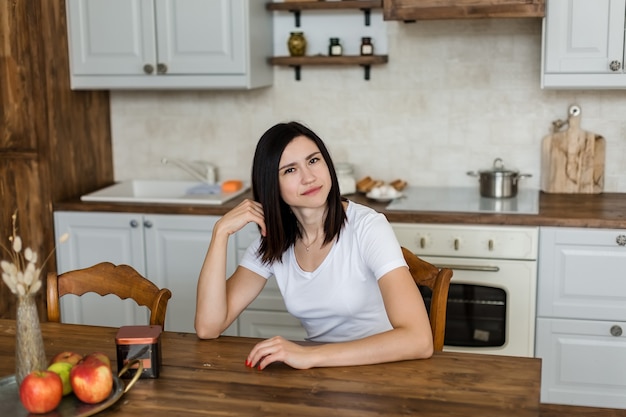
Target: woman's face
{"points": [[303, 175]]}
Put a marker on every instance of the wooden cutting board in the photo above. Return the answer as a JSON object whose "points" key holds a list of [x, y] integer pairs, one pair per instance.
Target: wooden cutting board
{"points": [[572, 160]]}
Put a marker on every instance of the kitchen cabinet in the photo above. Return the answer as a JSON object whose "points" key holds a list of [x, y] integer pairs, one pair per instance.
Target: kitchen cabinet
{"points": [[410, 10], [54, 143], [169, 44], [267, 315], [167, 249], [583, 44], [581, 316]]}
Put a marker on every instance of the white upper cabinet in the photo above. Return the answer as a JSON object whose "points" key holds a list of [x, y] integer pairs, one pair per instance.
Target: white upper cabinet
{"points": [[583, 44], [169, 44]]}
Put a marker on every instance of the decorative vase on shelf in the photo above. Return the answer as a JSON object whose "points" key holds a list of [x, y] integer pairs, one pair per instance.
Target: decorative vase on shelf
{"points": [[30, 354], [296, 44]]}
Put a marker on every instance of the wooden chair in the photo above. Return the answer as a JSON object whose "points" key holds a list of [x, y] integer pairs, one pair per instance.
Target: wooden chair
{"points": [[106, 278], [438, 280]]}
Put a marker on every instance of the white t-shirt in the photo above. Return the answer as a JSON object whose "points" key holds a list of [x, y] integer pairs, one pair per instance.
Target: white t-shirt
{"points": [[340, 300]]}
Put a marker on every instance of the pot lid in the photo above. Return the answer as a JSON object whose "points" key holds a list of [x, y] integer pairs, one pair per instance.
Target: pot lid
{"points": [[498, 169]]}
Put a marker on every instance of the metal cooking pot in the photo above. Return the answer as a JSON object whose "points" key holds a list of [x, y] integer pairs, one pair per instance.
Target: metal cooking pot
{"points": [[498, 182]]}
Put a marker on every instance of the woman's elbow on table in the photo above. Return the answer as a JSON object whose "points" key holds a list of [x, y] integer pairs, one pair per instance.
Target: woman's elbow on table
{"points": [[423, 346], [206, 335], [204, 331], [426, 350]]}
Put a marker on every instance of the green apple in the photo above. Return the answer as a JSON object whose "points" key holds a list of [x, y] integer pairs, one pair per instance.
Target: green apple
{"points": [[63, 370]]}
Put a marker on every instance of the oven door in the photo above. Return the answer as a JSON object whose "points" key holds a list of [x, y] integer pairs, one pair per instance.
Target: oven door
{"points": [[491, 305]]}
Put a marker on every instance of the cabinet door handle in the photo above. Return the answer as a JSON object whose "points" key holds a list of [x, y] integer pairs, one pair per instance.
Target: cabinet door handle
{"points": [[621, 240], [147, 224], [134, 223], [161, 68], [148, 69], [615, 65], [616, 330]]}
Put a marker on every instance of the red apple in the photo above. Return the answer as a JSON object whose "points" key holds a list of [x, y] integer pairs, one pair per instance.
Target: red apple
{"points": [[67, 356], [41, 391], [100, 356], [91, 379]]}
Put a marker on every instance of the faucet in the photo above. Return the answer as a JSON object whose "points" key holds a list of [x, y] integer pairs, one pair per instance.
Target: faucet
{"points": [[200, 170]]}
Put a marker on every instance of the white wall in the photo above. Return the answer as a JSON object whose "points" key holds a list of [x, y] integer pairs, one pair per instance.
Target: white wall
{"points": [[454, 96]]}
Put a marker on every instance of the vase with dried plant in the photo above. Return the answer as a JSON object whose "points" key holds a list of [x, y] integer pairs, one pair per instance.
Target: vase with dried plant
{"points": [[22, 275]]}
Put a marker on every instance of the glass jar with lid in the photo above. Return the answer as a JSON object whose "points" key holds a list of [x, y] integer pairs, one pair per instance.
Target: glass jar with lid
{"points": [[366, 46], [345, 177], [335, 48]]}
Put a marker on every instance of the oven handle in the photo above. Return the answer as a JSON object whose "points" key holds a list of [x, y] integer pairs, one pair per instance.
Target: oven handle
{"points": [[481, 268]]}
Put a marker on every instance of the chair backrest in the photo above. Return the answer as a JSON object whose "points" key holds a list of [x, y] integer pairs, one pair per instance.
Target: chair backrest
{"points": [[106, 278], [438, 280]]}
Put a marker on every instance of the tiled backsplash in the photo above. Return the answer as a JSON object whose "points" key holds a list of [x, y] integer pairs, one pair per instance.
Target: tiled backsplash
{"points": [[454, 96]]}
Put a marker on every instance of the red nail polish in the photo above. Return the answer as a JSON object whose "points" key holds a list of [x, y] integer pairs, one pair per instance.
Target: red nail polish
{"points": [[259, 367], [247, 362]]}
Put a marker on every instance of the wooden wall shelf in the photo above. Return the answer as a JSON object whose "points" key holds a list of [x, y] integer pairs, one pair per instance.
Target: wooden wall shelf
{"points": [[296, 7], [366, 61], [412, 10]]}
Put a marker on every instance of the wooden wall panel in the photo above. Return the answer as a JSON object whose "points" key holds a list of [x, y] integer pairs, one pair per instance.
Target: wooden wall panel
{"points": [[20, 182], [78, 151], [55, 143]]}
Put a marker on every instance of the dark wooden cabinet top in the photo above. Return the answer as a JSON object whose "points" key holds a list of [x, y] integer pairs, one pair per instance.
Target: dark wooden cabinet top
{"points": [[607, 210]]}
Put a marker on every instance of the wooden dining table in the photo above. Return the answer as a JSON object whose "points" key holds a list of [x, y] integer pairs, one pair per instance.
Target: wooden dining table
{"points": [[209, 377]]}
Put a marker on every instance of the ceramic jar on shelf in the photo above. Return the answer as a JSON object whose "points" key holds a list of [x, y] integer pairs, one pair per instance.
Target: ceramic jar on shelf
{"points": [[296, 44]]}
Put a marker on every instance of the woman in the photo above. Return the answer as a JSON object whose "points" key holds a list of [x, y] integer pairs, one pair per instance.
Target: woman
{"points": [[337, 263]]}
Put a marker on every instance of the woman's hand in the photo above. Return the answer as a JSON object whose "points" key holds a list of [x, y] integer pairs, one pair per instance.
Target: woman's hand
{"points": [[279, 349], [245, 212]]}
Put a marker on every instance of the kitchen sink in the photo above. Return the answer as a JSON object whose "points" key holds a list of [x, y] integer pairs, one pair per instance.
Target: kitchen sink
{"points": [[164, 191]]}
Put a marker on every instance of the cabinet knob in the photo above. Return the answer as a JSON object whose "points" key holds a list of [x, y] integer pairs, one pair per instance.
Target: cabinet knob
{"points": [[615, 65], [161, 69], [621, 240], [134, 223], [147, 224], [490, 244], [422, 242], [456, 244], [148, 69], [616, 330]]}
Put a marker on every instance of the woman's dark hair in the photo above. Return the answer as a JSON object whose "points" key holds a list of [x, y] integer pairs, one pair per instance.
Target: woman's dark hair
{"points": [[280, 222]]}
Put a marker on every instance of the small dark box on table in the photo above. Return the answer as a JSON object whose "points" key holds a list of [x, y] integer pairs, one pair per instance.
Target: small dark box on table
{"points": [[139, 342]]}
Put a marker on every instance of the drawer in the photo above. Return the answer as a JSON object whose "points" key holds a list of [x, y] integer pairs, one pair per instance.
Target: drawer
{"points": [[582, 274], [582, 362], [493, 242]]}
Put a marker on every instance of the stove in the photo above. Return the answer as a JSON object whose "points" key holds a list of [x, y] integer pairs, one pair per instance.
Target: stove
{"points": [[465, 200]]}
